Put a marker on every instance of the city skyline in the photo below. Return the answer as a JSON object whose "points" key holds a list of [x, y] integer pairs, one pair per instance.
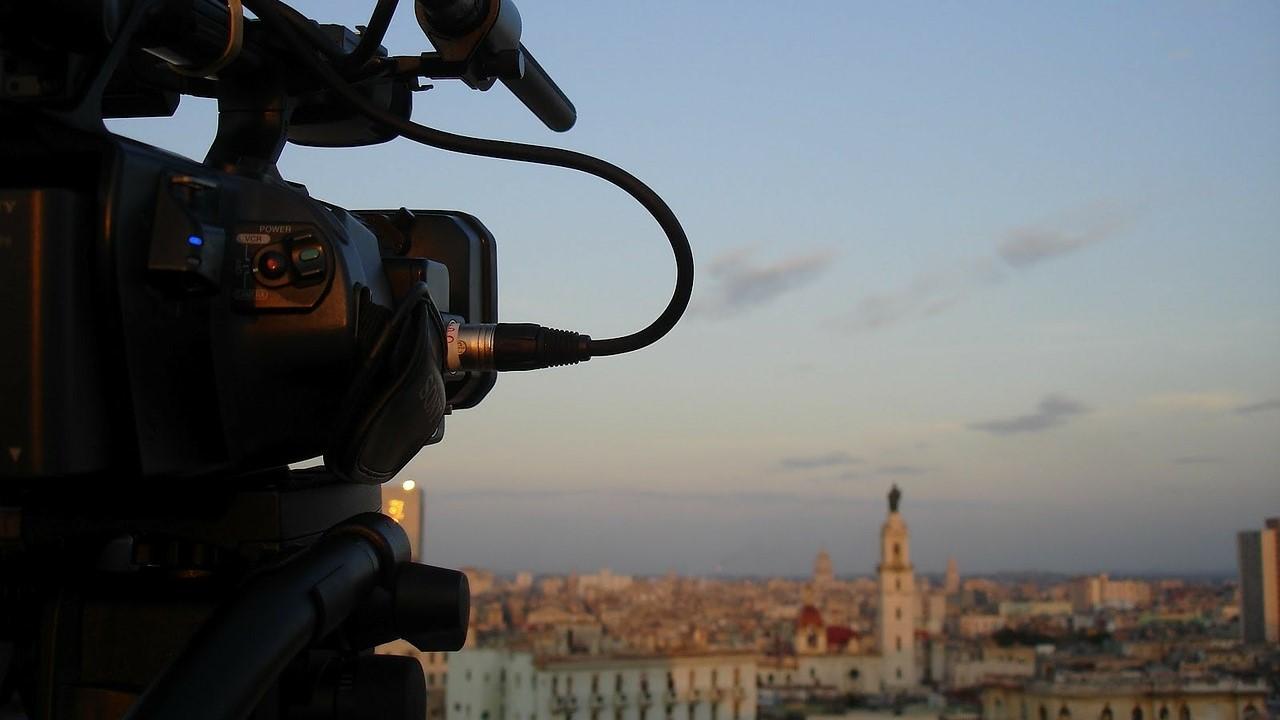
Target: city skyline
{"points": [[1019, 260]]}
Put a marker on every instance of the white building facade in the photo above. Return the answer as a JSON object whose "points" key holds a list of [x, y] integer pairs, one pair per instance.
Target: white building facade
{"points": [[498, 684]]}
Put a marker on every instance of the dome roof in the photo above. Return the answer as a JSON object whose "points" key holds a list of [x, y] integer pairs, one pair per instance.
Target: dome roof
{"points": [[809, 617]]}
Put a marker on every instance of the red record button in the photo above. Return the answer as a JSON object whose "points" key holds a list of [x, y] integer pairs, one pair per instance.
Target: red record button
{"points": [[273, 265]]}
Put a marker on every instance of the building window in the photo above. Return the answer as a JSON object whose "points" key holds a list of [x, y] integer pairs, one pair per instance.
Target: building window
{"points": [[715, 676], [1184, 713], [1164, 713], [1106, 713], [1136, 714], [737, 676], [1064, 713], [617, 682], [1250, 712], [897, 613], [468, 674], [897, 583], [897, 641], [1044, 714], [595, 682], [897, 551], [898, 672]]}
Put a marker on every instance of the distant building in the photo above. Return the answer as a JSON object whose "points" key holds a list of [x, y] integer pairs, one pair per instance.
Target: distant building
{"points": [[823, 572], [604, 581], [935, 613], [969, 665], [1094, 592], [952, 584], [435, 670], [977, 625], [1125, 696], [405, 503], [516, 685], [811, 632], [895, 626], [1011, 610], [480, 581], [1259, 557]]}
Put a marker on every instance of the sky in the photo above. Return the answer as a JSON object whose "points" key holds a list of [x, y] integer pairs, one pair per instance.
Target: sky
{"points": [[1021, 259]]}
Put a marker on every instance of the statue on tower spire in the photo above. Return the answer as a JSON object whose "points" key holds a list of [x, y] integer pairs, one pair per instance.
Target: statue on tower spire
{"points": [[895, 498]]}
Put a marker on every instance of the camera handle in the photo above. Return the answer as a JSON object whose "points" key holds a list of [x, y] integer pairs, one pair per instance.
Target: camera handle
{"points": [[360, 567]]}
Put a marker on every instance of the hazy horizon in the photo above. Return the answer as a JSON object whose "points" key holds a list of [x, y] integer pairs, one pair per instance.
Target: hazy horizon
{"points": [[1020, 259]]}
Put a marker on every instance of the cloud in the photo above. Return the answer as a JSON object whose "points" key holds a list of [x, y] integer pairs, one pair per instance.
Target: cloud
{"points": [[826, 460], [1052, 411], [1029, 245], [737, 283], [927, 294], [1198, 460], [901, 470], [1020, 248], [1258, 407], [1194, 401]]}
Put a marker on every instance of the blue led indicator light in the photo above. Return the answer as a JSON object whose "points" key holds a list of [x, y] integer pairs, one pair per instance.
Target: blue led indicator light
{"points": [[195, 241]]}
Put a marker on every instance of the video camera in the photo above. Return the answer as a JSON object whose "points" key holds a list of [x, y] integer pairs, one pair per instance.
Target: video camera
{"points": [[174, 334]]}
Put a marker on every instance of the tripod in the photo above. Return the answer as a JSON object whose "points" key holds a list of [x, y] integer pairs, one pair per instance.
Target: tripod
{"points": [[262, 600]]}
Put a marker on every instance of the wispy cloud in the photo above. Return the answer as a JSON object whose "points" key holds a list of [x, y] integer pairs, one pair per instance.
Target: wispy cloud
{"points": [[1194, 401], [901, 470], [1264, 406], [1198, 460], [1032, 244], [927, 294], [1051, 412], [738, 283], [825, 460], [1019, 249]]}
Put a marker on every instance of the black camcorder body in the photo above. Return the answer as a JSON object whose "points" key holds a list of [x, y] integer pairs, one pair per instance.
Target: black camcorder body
{"points": [[163, 318]]}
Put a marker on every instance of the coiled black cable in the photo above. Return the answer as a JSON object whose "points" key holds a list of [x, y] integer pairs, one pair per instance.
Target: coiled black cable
{"points": [[274, 13]]}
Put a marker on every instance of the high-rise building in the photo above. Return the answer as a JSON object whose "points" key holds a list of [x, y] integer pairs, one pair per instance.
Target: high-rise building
{"points": [[952, 585], [898, 603], [1259, 557], [823, 573], [403, 502]]}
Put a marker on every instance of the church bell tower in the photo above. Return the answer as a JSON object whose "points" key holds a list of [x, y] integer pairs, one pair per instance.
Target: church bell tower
{"points": [[898, 602]]}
